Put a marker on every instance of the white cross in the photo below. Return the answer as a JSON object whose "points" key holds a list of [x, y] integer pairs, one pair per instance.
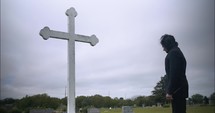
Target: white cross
{"points": [[71, 37]]}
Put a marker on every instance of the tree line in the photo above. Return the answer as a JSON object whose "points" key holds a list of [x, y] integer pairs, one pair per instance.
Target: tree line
{"points": [[84, 102], [98, 101]]}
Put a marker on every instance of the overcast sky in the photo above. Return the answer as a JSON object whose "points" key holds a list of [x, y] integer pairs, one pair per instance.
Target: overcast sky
{"points": [[128, 61]]}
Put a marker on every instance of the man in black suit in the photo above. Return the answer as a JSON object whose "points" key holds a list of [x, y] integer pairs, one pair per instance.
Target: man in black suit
{"points": [[175, 67]]}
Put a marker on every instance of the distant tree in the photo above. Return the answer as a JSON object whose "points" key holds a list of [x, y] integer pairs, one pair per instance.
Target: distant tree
{"points": [[212, 98], [8, 101], [128, 102], [197, 98], [120, 102], [159, 91], [38, 101], [108, 102], [64, 101], [190, 101], [121, 98], [80, 101], [139, 101], [97, 101], [205, 100], [150, 100], [115, 102]]}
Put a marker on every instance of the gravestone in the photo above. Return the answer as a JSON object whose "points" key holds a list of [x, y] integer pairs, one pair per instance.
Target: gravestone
{"points": [[159, 104], [127, 109], [93, 110]]}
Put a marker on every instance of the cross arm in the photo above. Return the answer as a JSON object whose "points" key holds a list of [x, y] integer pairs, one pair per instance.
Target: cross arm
{"points": [[93, 40], [46, 33]]}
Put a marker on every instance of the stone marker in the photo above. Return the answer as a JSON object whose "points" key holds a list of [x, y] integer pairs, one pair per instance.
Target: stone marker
{"points": [[127, 109], [71, 37], [93, 110]]}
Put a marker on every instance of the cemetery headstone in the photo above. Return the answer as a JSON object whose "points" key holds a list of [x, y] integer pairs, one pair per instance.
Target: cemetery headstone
{"points": [[93, 110], [127, 109]]}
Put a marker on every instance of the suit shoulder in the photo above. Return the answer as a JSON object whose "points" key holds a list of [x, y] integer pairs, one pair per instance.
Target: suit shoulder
{"points": [[175, 52]]}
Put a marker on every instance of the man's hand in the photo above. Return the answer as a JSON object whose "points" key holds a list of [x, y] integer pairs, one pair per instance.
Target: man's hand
{"points": [[169, 97]]}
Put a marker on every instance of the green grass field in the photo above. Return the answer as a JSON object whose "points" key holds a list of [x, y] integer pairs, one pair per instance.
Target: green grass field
{"points": [[196, 109]]}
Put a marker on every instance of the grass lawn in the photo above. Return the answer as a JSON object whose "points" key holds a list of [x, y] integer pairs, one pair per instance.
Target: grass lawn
{"points": [[190, 109]]}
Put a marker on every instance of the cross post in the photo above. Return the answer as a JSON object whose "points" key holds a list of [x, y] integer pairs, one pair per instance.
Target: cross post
{"points": [[46, 33]]}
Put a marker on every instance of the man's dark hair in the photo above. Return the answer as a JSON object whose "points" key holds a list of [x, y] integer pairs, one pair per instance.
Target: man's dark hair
{"points": [[168, 41]]}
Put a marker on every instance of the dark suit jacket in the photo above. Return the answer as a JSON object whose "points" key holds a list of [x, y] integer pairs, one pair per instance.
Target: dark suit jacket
{"points": [[175, 66]]}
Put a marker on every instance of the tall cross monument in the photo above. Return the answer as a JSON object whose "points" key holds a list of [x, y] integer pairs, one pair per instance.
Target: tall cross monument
{"points": [[71, 37]]}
